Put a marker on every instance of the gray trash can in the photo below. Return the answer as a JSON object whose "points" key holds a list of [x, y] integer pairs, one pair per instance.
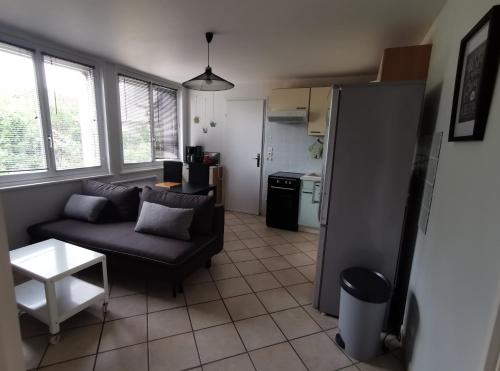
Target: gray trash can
{"points": [[363, 300]]}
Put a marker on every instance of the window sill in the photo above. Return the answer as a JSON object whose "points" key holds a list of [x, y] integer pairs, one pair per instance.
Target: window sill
{"points": [[141, 169], [48, 181]]}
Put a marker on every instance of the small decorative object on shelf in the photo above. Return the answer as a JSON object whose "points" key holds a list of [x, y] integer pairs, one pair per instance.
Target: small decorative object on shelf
{"points": [[476, 73]]}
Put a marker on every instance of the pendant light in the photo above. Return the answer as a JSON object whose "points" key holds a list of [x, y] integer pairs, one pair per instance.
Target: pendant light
{"points": [[208, 81]]}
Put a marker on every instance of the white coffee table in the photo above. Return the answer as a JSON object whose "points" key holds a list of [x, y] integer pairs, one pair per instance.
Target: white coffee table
{"points": [[53, 294]]}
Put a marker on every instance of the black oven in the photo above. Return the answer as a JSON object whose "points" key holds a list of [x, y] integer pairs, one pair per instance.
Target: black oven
{"points": [[283, 193]]}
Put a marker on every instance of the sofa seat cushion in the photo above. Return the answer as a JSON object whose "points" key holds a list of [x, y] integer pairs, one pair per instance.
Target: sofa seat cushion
{"points": [[121, 238]]}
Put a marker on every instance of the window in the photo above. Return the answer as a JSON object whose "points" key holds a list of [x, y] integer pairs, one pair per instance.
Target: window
{"points": [[73, 119], [149, 121], [47, 134], [21, 136]]}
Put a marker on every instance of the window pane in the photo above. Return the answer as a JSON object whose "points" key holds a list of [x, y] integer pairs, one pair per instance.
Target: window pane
{"points": [[166, 142], [70, 89], [21, 137], [135, 116]]}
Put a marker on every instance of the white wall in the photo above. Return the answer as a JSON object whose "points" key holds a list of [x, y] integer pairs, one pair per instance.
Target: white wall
{"points": [[455, 278], [290, 142]]}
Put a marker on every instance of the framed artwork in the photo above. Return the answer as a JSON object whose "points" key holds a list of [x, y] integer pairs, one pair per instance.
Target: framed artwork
{"points": [[478, 62]]}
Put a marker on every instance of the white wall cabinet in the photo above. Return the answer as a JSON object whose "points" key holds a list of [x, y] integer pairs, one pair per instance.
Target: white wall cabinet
{"points": [[289, 99], [318, 110]]}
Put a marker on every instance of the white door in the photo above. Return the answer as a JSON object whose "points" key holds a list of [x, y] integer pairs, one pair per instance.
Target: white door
{"points": [[242, 155]]}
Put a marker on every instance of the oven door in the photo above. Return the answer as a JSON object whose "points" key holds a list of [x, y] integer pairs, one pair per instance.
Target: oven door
{"points": [[282, 207]]}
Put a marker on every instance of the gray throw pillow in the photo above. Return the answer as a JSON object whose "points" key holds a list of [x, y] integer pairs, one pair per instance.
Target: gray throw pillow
{"points": [[165, 221], [84, 207]]}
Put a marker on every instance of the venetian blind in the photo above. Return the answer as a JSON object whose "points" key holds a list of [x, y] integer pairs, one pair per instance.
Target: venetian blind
{"points": [[165, 127]]}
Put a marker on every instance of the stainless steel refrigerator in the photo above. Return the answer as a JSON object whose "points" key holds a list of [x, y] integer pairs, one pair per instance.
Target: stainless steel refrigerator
{"points": [[368, 156]]}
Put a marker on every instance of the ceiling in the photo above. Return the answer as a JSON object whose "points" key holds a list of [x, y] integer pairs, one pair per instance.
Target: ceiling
{"points": [[255, 40]]}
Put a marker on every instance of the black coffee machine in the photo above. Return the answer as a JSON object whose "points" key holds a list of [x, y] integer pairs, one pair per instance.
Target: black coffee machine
{"points": [[193, 154]]}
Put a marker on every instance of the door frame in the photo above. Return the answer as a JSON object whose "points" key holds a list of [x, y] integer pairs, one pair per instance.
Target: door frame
{"points": [[264, 105]]}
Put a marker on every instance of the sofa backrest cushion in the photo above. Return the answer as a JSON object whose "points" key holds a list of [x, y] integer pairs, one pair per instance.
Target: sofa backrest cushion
{"points": [[123, 202], [83, 207], [165, 221], [203, 219]]}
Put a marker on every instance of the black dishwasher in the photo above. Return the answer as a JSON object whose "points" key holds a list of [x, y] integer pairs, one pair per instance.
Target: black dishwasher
{"points": [[283, 194]]}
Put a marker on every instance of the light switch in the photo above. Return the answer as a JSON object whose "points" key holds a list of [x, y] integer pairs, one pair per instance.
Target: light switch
{"points": [[269, 156]]}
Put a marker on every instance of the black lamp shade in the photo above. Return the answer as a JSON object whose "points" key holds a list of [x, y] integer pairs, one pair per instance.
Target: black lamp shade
{"points": [[208, 81]]}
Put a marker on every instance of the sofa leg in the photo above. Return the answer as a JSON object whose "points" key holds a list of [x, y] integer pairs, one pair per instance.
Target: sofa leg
{"points": [[208, 264], [174, 290]]}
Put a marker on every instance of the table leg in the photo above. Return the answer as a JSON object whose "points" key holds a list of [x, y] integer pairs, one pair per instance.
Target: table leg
{"points": [[105, 285], [50, 296]]}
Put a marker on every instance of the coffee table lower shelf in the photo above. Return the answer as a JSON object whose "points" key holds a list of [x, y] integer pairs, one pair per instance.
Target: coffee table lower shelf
{"points": [[72, 296]]}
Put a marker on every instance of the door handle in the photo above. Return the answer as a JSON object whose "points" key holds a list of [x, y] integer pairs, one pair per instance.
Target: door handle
{"points": [[258, 159]]}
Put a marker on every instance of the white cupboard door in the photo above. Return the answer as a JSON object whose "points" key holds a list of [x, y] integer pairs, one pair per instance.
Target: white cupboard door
{"points": [[318, 109], [289, 99], [242, 155]]}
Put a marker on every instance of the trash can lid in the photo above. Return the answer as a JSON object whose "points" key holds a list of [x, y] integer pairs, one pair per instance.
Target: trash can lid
{"points": [[365, 284]]}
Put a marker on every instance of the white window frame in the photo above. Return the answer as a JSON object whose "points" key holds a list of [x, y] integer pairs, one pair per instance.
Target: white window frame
{"points": [[39, 49], [150, 79]]}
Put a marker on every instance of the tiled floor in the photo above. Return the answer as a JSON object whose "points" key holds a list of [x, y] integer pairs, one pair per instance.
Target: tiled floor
{"points": [[250, 311]]}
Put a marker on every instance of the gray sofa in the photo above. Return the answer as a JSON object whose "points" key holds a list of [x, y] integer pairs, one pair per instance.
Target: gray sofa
{"points": [[114, 233]]}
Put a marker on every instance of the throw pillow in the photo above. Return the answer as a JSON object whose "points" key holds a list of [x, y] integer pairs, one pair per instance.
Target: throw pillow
{"points": [[84, 207], [165, 221]]}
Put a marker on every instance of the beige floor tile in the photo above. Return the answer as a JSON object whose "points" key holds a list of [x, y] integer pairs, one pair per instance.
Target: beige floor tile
{"points": [[277, 299], [173, 353], [160, 297], [123, 332], [295, 322], [233, 287], [252, 243], [223, 271], [386, 362], [276, 263], [258, 332], [266, 233], [218, 342], [309, 271], [90, 316], [200, 276], [279, 357], [262, 281], [78, 342], [220, 258], [286, 248], [134, 358], [246, 234], [274, 240], [289, 277], [33, 350], [325, 321], [208, 314], [306, 246], [234, 245], [256, 227], [314, 237], [79, 364], [241, 255], [319, 353], [244, 306], [122, 286], [313, 255], [233, 222], [236, 363], [230, 236], [239, 228], [298, 259], [30, 326], [201, 293], [294, 237], [251, 267], [167, 323], [264, 252], [126, 306], [303, 292]]}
